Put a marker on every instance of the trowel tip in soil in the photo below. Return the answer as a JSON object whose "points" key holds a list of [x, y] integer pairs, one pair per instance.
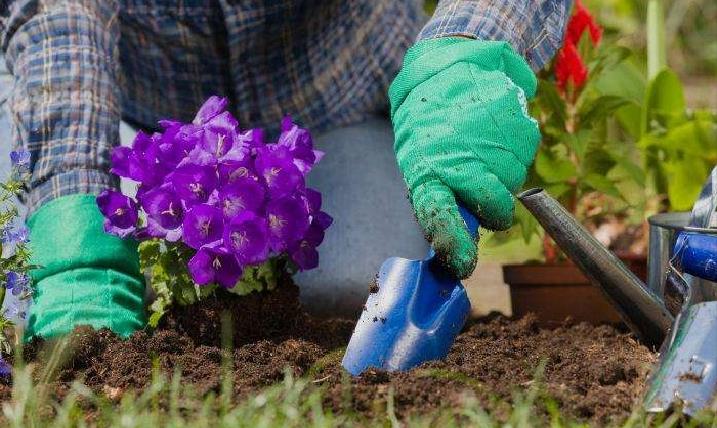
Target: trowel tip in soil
{"points": [[420, 312]]}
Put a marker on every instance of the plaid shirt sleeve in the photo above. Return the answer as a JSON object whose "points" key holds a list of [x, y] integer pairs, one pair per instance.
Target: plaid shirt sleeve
{"points": [[65, 99], [533, 27]]}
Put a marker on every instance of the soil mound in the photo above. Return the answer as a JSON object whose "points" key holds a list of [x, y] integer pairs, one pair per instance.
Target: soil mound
{"points": [[592, 373]]}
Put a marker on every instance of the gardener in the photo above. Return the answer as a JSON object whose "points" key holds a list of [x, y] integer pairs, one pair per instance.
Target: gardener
{"points": [[457, 106]]}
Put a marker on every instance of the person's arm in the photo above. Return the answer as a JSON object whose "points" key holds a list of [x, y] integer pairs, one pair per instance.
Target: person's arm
{"points": [[65, 110], [65, 99], [462, 129], [534, 28]]}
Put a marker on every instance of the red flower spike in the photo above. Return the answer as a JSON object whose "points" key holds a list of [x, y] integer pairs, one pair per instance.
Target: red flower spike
{"points": [[570, 67], [580, 21]]}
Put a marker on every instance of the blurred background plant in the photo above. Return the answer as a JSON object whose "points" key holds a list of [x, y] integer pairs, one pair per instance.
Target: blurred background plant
{"points": [[15, 281]]}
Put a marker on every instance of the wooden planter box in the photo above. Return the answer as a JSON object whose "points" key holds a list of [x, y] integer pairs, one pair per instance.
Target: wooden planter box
{"points": [[555, 292]]}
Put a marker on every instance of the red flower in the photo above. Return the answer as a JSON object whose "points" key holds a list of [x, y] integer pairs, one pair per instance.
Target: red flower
{"points": [[569, 66], [579, 22]]}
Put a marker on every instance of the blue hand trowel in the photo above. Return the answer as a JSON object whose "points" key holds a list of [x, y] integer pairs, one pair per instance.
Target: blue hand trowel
{"points": [[415, 315]]}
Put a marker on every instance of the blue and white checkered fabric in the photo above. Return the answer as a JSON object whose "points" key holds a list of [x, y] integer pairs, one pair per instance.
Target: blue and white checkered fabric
{"points": [[80, 65]]}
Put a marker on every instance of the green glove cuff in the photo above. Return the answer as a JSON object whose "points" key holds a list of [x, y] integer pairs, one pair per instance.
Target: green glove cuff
{"points": [[431, 56], [85, 276]]}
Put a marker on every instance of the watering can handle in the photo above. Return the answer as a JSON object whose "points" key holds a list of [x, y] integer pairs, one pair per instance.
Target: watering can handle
{"points": [[696, 254]]}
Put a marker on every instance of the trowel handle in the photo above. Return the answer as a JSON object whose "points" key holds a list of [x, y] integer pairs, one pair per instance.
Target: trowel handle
{"points": [[696, 254], [471, 222]]}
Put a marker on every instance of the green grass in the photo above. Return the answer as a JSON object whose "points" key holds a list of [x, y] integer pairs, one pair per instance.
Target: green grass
{"points": [[294, 402], [291, 403]]}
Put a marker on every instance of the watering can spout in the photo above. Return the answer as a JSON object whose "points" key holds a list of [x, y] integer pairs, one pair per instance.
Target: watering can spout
{"points": [[639, 307]]}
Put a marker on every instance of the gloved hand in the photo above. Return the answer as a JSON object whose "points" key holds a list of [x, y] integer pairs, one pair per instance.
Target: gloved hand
{"points": [[85, 276], [462, 132]]}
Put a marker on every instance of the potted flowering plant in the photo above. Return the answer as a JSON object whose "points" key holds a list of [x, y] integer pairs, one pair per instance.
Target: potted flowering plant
{"points": [[618, 146], [586, 163], [217, 207]]}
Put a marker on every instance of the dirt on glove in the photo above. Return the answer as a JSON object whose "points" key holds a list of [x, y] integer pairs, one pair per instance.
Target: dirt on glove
{"points": [[594, 374]]}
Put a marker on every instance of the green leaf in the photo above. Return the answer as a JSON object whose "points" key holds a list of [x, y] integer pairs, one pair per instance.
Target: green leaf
{"points": [[665, 100], [632, 169], [578, 142], [551, 103], [263, 277], [597, 160], [600, 108], [557, 190], [623, 79], [608, 58], [528, 224], [601, 184], [552, 169], [685, 182]]}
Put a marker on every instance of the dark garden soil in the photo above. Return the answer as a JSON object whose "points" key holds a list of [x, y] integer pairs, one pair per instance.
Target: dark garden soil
{"points": [[592, 373]]}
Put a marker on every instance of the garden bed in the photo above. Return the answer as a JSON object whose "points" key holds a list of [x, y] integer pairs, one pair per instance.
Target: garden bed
{"points": [[591, 373]]}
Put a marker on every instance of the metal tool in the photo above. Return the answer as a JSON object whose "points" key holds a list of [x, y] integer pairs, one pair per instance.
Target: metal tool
{"points": [[686, 373], [641, 309], [413, 317], [683, 262]]}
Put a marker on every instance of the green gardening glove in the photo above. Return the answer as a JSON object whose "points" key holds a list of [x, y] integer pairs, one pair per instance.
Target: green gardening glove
{"points": [[462, 132], [85, 276]]}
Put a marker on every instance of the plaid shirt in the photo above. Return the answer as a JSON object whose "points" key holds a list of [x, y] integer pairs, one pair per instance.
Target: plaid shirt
{"points": [[81, 65]]}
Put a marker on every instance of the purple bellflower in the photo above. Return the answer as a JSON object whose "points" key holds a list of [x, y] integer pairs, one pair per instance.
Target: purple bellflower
{"points": [[20, 160], [233, 197], [5, 368], [247, 237], [215, 264], [120, 212], [203, 224], [17, 283]]}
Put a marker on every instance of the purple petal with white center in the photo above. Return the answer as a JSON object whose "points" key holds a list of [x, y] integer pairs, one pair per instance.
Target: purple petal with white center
{"points": [[231, 171], [215, 264], [202, 224], [244, 194], [120, 212], [247, 236], [288, 221], [17, 283], [277, 169], [194, 183], [20, 159], [164, 206]]}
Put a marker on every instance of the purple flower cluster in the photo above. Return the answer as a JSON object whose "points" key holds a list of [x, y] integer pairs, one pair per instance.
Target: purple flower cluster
{"points": [[225, 193]]}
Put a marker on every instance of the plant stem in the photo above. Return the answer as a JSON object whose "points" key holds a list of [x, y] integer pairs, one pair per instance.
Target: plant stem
{"points": [[656, 45]]}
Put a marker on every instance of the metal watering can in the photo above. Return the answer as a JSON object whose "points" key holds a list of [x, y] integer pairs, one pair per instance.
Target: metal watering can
{"points": [[676, 311]]}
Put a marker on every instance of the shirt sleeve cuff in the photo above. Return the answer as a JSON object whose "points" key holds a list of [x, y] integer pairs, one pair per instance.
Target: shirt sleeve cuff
{"points": [[534, 28]]}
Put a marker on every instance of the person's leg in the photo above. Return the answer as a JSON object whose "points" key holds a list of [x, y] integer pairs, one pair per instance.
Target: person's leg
{"points": [[364, 192]]}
